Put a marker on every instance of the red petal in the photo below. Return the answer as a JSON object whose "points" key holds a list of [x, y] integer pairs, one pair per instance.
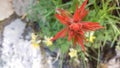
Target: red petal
{"points": [[91, 26], [75, 41], [63, 16], [81, 34], [61, 19], [64, 13], [80, 42], [70, 35], [80, 13], [83, 5], [83, 14], [76, 14], [60, 34]]}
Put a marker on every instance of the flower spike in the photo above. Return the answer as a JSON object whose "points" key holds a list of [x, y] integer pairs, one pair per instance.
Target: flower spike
{"points": [[75, 28]]}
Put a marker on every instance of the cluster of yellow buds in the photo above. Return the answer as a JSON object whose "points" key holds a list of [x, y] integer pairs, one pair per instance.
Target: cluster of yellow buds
{"points": [[35, 42]]}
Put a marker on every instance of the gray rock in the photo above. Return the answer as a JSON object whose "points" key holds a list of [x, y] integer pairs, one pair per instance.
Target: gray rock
{"points": [[22, 6], [16, 51]]}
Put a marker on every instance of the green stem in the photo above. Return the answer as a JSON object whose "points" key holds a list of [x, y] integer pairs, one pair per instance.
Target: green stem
{"points": [[61, 61], [114, 39], [84, 63], [98, 57]]}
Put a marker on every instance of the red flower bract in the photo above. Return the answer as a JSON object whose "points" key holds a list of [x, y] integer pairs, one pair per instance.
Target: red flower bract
{"points": [[74, 27]]}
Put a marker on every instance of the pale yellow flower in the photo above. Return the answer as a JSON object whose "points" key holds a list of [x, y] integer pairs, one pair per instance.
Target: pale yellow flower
{"points": [[91, 39], [73, 53], [34, 41], [48, 41], [91, 36]]}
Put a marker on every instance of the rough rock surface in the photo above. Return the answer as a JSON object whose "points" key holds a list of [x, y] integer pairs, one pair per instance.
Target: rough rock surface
{"points": [[17, 52]]}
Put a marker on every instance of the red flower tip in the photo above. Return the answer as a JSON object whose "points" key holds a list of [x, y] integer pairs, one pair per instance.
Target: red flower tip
{"points": [[81, 12]]}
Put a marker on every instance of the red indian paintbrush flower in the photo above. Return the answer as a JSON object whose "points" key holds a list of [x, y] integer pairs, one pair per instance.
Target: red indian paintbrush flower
{"points": [[74, 26]]}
